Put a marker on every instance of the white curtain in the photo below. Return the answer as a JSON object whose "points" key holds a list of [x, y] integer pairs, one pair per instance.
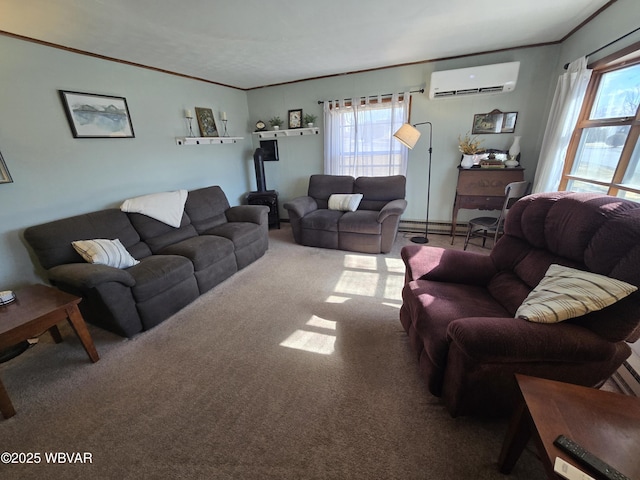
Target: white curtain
{"points": [[563, 116], [359, 137]]}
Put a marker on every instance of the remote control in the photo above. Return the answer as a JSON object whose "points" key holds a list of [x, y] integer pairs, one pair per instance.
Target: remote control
{"points": [[589, 459], [568, 471]]}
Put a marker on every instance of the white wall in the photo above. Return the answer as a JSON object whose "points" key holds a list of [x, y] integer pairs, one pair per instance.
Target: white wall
{"points": [[56, 175], [302, 156]]}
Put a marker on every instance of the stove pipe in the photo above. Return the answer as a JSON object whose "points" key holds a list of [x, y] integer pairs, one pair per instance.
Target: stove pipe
{"points": [[258, 162]]}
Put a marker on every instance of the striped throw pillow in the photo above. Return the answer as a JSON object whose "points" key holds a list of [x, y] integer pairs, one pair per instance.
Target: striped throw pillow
{"points": [[566, 293], [105, 252]]}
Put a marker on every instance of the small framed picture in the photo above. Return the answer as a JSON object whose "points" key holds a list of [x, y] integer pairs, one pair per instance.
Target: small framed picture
{"points": [[5, 176], [494, 122], [295, 118], [206, 122], [97, 116]]}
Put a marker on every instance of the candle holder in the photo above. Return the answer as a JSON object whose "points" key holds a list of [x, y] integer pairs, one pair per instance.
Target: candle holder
{"points": [[225, 133], [188, 118]]}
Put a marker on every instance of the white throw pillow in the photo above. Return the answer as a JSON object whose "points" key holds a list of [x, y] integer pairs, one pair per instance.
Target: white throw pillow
{"points": [[566, 293], [345, 202], [105, 252]]}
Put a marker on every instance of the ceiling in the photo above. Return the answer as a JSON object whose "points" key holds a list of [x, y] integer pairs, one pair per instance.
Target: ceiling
{"points": [[253, 43]]}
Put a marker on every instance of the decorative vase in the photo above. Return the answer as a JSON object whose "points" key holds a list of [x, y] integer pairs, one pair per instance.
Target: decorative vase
{"points": [[310, 124], [276, 127], [467, 160], [511, 163], [514, 150]]}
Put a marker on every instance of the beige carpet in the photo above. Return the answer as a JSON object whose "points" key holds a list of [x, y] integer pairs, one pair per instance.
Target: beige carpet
{"points": [[295, 368]]}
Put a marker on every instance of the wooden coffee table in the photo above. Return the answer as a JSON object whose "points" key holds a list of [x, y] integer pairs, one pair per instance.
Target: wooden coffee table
{"points": [[607, 424], [38, 308]]}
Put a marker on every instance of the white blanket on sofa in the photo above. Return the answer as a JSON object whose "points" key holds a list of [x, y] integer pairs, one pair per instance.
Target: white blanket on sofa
{"points": [[166, 207]]}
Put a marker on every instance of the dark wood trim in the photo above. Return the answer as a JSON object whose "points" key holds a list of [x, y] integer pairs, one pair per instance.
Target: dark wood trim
{"points": [[111, 59], [588, 19], [408, 64]]}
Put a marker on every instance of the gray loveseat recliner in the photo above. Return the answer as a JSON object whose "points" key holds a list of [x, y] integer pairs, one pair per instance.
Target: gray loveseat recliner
{"points": [[176, 265], [371, 228]]}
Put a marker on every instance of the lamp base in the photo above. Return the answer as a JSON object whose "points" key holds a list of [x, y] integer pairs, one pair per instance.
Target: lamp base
{"points": [[420, 239]]}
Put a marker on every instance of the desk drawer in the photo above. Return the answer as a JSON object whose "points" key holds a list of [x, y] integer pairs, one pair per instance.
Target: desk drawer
{"points": [[485, 182], [474, 202]]}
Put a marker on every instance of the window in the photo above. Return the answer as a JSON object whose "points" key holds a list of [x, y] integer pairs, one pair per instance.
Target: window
{"points": [[359, 137], [604, 153]]}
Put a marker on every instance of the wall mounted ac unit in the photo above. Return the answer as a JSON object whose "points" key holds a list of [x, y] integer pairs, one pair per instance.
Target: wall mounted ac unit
{"points": [[485, 79]]}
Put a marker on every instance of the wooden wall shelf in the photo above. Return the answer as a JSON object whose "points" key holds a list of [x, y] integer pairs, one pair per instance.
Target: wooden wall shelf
{"points": [[206, 140], [292, 132]]}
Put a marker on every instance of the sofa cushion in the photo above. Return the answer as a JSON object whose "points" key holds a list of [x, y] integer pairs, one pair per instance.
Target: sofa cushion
{"points": [[321, 187], [378, 191], [433, 305], [567, 293], [159, 235], [322, 220], [203, 250], [240, 233], [362, 221], [105, 252], [51, 241], [158, 273], [206, 208]]}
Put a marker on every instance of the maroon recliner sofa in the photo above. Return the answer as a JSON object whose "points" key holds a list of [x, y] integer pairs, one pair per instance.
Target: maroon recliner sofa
{"points": [[459, 307]]}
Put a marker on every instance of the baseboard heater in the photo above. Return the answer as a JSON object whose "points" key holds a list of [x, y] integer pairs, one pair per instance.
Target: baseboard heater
{"points": [[437, 228], [627, 377]]}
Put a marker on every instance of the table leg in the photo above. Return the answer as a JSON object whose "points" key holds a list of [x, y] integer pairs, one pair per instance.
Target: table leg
{"points": [[78, 325], [516, 439], [55, 334], [6, 407]]}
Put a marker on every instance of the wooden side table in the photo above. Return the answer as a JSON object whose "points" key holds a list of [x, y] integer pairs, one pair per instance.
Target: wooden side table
{"points": [[483, 189], [38, 308], [605, 423]]}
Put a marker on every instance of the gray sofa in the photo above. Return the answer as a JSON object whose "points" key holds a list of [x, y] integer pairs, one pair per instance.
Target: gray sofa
{"points": [[176, 265], [372, 228]]}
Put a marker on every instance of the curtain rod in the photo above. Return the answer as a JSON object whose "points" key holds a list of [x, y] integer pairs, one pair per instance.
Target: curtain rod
{"points": [[566, 65], [320, 102]]}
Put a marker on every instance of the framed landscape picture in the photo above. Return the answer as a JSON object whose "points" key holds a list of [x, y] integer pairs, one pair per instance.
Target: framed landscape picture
{"points": [[206, 122], [97, 116], [5, 176]]}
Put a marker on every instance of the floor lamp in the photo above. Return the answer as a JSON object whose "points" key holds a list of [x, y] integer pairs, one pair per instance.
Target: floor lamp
{"points": [[408, 135]]}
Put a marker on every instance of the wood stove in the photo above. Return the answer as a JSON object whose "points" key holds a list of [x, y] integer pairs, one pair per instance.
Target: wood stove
{"points": [[263, 196]]}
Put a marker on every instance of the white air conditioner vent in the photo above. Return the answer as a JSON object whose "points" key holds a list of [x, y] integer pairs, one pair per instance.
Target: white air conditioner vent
{"points": [[485, 79]]}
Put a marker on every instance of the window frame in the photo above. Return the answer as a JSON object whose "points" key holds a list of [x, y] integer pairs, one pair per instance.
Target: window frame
{"points": [[611, 63]]}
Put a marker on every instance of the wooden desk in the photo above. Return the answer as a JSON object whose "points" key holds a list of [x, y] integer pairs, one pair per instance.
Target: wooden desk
{"points": [[605, 423], [38, 308], [483, 189]]}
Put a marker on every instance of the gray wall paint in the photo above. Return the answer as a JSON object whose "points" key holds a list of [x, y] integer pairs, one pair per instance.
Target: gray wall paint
{"points": [[56, 175], [301, 156]]}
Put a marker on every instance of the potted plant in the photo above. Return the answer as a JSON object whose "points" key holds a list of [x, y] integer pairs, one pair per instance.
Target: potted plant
{"points": [[470, 147], [276, 122], [309, 119]]}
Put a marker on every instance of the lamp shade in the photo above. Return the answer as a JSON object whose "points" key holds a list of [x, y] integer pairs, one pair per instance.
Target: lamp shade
{"points": [[408, 135]]}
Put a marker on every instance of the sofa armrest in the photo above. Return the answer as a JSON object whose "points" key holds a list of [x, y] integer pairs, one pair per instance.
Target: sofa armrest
{"points": [[514, 340], [394, 207], [301, 206], [439, 264], [88, 275], [248, 213]]}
